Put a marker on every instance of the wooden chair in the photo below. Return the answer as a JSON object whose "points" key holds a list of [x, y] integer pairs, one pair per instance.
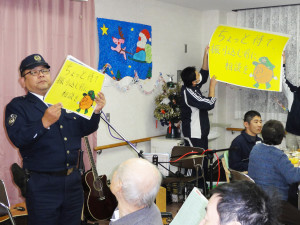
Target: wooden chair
{"points": [[4, 203], [237, 175], [225, 166], [227, 172], [161, 203]]}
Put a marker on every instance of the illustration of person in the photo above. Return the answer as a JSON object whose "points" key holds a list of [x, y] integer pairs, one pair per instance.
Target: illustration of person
{"points": [[141, 49]]}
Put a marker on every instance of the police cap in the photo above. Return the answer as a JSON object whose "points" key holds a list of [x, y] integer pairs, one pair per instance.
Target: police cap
{"points": [[32, 61]]}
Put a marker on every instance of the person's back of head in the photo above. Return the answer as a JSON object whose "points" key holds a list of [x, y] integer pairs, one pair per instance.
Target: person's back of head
{"points": [[188, 75], [273, 132], [140, 181], [246, 203], [250, 115]]}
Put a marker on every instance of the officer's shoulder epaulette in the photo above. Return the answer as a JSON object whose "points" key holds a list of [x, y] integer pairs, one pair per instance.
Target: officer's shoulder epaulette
{"points": [[18, 99]]}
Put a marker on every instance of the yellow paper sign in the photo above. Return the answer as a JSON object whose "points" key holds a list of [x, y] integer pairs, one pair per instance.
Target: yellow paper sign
{"points": [[75, 87], [247, 58]]}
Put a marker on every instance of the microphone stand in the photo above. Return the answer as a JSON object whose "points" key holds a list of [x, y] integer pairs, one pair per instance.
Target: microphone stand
{"points": [[210, 156], [140, 153]]}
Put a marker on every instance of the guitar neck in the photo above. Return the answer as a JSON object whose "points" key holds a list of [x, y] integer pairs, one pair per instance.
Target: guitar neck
{"points": [[90, 154]]}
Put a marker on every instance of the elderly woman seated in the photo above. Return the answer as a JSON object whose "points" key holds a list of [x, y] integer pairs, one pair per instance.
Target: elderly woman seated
{"points": [[271, 169]]}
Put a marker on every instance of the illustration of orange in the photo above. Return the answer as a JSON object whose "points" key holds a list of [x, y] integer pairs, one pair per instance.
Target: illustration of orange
{"points": [[263, 72], [87, 101]]}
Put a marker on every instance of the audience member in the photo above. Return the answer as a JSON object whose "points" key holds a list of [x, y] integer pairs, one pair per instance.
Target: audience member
{"points": [[135, 184], [243, 144], [271, 169], [240, 202]]}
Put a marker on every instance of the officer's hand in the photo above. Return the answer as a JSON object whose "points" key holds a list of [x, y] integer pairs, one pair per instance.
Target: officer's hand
{"points": [[51, 115], [100, 100]]}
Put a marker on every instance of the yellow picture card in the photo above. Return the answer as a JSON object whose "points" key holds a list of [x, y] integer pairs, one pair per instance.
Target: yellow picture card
{"points": [[247, 57], [75, 87]]}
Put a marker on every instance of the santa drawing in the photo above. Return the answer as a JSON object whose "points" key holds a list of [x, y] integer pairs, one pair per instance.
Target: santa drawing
{"points": [[143, 50]]}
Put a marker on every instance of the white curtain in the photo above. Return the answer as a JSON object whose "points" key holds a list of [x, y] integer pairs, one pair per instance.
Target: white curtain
{"points": [[277, 19]]}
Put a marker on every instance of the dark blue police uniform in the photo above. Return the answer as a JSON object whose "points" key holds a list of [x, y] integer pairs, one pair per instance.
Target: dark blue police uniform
{"points": [[54, 190]]}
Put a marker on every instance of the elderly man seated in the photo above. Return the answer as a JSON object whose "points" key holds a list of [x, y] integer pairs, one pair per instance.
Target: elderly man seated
{"points": [[240, 202], [271, 169], [135, 184]]}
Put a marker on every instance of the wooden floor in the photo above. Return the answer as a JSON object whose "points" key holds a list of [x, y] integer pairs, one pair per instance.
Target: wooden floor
{"points": [[173, 208]]}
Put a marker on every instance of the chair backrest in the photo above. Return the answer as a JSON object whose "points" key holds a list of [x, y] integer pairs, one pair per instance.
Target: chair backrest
{"points": [[3, 199], [226, 157], [225, 167], [178, 151], [237, 175]]}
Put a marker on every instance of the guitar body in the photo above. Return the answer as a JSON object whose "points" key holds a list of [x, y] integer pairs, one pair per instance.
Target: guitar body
{"points": [[96, 208]]}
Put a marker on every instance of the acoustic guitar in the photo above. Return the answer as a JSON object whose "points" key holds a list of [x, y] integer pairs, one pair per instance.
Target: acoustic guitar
{"points": [[99, 201]]}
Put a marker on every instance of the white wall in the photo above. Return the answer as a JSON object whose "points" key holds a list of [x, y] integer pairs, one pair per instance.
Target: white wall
{"points": [[223, 111], [172, 27]]}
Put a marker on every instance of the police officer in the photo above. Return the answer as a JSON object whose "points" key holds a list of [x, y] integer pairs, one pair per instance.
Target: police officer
{"points": [[48, 139]]}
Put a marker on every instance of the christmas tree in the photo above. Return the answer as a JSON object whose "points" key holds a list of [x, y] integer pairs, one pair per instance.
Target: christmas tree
{"points": [[149, 73], [167, 109], [118, 76]]}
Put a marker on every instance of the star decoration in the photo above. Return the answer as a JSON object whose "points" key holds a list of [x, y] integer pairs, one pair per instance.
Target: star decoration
{"points": [[104, 29]]}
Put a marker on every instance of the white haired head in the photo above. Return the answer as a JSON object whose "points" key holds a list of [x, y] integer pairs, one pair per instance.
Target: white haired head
{"points": [[140, 181]]}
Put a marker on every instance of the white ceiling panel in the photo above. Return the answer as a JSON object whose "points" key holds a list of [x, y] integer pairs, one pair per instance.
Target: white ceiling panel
{"points": [[229, 5]]}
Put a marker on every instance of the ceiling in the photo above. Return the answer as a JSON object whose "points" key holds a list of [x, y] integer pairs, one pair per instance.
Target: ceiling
{"points": [[228, 5]]}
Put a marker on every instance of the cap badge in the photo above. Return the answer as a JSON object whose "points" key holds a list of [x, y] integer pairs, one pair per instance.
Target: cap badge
{"points": [[11, 119], [37, 58]]}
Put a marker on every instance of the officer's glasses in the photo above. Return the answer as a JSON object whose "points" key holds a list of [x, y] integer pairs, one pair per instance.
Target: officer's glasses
{"points": [[35, 73]]}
